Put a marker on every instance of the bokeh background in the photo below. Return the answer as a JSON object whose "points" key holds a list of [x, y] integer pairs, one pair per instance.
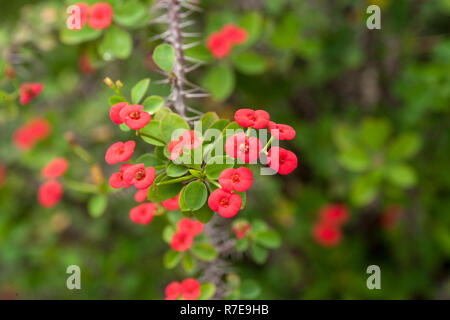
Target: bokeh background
{"points": [[371, 111]]}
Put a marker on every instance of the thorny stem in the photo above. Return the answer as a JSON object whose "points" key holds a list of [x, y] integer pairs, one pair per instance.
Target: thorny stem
{"points": [[176, 40]]}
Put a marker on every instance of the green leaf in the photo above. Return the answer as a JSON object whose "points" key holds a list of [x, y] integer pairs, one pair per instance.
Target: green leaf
{"points": [[174, 170], [364, 190], [344, 136], [188, 263], [130, 13], [204, 251], [269, 239], [172, 258], [206, 121], [97, 205], [195, 195], [163, 192], [150, 160], [170, 123], [123, 127], [116, 99], [164, 57], [250, 63], [404, 146], [258, 253], [204, 214], [213, 169], [250, 289], [242, 244], [354, 159], [153, 103], [200, 53], [402, 175], [219, 81], [168, 233], [139, 90], [116, 43], [253, 23], [207, 291], [72, 37], [375, 132], [152, 130]]}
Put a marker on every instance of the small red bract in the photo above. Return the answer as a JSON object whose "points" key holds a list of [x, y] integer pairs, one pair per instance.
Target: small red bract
{"points": [[139, 176], [100, 15], [326, 235], [390, 216], [143, 213], [281, 160], [2, 174], [190, 226], [116, 180], [120, 152], [242, 147], [114, 112], [28, 91], [241, 228], [190, 289], [171, 204], [50, 193], [225, 203], [55, 168], [35, 130], [281, 131], [134, 116], [181, 241], [141, 195], [334, 214], [250, 118], [239, 180], [219, 45], [173, 290], [235, 34]]}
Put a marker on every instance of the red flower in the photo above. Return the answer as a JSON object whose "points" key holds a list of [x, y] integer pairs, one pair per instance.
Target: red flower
{"points": [[2, 174], [250, 118], [190, 289], [173, 290], [141, 177], [181, 241], [141, 195], [26, 136], [327, 235], [281, 160], [281, 131], [242, 147], [190, 140], [171, 204], [116, 180], [240, 179], [28, 91], [334, 214], [143, 213], [240, 228], [120, 152], [84, 10], [219, 45], [114, 112], [100, 15], [55, 168], [50, 193], [190, 226], [175, 148], [225, 203], [85, 65], [134, 117], [235, 34]]}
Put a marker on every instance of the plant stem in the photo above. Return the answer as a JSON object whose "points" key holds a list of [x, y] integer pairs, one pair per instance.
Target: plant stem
{"points": [[176, 180], [151, 137], [264, 150]]}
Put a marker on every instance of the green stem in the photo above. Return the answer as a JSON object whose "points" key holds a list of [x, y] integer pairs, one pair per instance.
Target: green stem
{"points": [[81, 186], [267, 145], [176, 180], [214, 183]]}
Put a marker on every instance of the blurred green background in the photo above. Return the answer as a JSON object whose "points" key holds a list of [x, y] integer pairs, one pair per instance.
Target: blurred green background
{"points": [[371, 111]]}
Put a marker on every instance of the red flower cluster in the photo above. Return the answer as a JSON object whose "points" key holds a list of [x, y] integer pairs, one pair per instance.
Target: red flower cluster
{"points": [[188, 139], [51, 191], [120, 152], [188, 289], [33, 131], [239, 180], [183, 238], [99, 15], [240, 228], [227, 204], [139, 176], [221, 42], [143, 213], [327, 231], [248, 148], [28, 91], [132, 115]]}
